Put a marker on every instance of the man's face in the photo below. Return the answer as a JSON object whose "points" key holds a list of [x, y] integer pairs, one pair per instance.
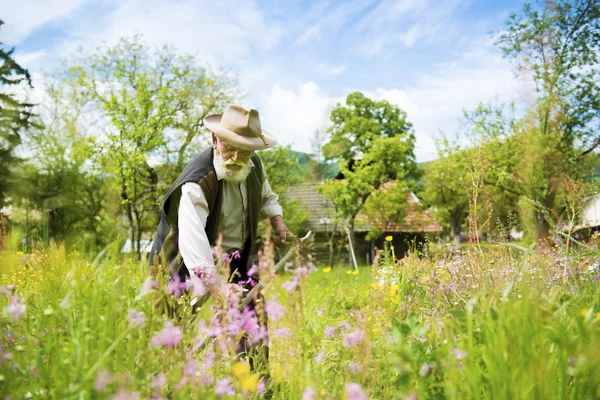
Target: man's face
{"points": [[235, 159]]}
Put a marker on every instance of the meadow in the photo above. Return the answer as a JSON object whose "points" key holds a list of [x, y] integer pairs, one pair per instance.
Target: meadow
{"points": [[495, 323]]}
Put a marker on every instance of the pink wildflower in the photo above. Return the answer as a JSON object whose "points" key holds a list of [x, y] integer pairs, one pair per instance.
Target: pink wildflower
{"points": [[102, 380], [252, 270], [309, 393], [125, 395], [15, 309], [176, 287], [224, 387], [136, 318], [274, 310], [198, 288], [355, 392], [170, 336], [355, 367], [319, 357], [330, 331], [281, 332], [148, 285], [459, 354], [159, 382], [353, 338], [236, 254]]}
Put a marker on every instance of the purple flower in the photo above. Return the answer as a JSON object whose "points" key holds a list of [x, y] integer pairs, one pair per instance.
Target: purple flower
{"points": [[170, 336], [136, 318], [290, 286], [355, 392], [274, 310], [252, 270], [176, 287], [309, 393], [15, 308], [190, 368], [198, 288], [125, 395], [224, 387], [236, 254], [159, 382], [330, 331], [355, 367], [102, 380], [281, 332], [353, 338], [262, 387], [6, 291], [319, 357], [148, 285], [459, 354]]}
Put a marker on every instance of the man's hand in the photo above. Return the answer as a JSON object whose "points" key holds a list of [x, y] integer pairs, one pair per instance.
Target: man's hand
{"points": [[282, 232]]}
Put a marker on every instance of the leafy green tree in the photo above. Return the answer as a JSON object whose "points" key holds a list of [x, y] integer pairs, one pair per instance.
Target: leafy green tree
{"points": [[60, 178], [133, 90], [445, 184], [16, 115], [372, 142], [283, 170], [386, 208], [557, 45]]}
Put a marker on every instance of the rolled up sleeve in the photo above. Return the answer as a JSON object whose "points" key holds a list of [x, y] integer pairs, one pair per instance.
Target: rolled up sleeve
{"points": [[270, 205], [193, 242]]}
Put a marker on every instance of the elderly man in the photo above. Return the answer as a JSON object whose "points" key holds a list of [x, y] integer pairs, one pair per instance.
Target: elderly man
{"points": [[223, 190]]}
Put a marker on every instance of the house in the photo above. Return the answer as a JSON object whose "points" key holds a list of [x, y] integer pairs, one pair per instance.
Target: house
{"points": [[331, 242]]}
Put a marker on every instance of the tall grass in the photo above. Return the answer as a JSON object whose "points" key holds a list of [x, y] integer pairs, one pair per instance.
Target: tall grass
{"points": [[507, 323]]}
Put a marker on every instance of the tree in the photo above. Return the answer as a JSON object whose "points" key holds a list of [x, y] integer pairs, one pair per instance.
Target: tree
{"points": [[15, 115], [60, 177], [558, 46], [283, 170], [386, 208], [445, 189], [372, 142], [317, 142]]}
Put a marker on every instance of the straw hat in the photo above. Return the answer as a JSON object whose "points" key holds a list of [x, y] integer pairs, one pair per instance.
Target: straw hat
{"points": [[240, 128]]}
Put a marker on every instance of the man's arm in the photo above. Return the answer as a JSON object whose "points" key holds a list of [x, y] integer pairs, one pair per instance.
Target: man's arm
{"points": [[193, 242], [272, 209]]}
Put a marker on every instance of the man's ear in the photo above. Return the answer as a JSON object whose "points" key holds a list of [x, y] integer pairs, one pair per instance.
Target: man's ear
{"points": [[214, 141]]}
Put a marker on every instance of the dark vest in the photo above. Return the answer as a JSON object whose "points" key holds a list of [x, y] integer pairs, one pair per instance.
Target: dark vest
{"points": [[165, 249]]}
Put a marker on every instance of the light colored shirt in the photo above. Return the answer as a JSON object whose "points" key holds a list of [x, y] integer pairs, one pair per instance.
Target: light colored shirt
{"points": [[193, 214]]}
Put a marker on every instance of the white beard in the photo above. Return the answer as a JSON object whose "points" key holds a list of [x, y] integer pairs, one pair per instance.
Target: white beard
{"points": [[224, 173]]}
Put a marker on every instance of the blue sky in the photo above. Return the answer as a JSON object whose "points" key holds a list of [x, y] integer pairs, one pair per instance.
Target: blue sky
{"points": [[297, 59]]}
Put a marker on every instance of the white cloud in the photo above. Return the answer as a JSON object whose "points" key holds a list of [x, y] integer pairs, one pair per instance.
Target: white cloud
{"points": [[384, 27], [28, 59], [219, 33], [332, 70], [293, 115], [436, 100], [31, 15]]}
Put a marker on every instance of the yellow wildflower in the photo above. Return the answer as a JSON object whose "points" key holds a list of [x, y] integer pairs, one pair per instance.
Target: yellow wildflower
{"points": [[374, 285], [240, 368], [584, 312], [598, 317], [249, 383], [442, 272], [393, 290], [19, 253], [355, 272], [425, 278], [349, 271], [389, 238], [375, 330], [328, 269]]}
